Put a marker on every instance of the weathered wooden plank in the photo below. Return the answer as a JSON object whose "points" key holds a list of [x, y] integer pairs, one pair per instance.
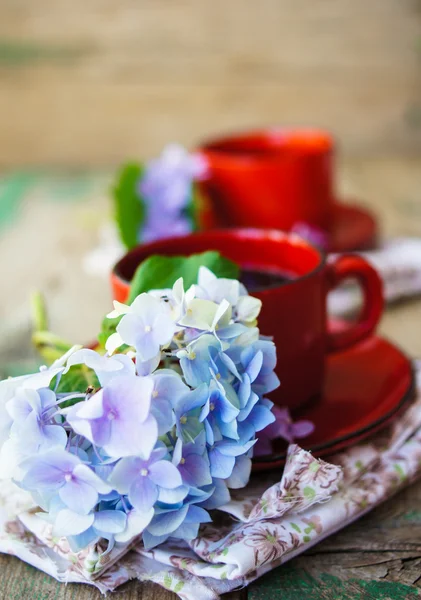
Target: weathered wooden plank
{"points": [[128, 77]]}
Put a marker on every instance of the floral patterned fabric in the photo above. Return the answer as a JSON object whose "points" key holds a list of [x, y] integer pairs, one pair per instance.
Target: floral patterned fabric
{"points": [[278, 516]]}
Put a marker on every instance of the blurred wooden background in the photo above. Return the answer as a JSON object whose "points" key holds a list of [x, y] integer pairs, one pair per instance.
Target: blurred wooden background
{"points": [[92, 82]]}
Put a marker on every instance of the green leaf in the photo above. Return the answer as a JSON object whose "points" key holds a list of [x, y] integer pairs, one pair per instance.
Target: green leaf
{"points": [[77, 379], [49, 346], [179, 587], [128, 205], [160, 272], [194, 206]]}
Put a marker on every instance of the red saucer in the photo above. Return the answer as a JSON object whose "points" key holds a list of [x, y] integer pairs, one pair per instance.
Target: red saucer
{"points": [[352, 228], [366, 387]]}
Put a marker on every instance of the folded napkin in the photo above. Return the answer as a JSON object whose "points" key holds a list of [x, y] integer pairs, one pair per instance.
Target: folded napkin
{"points": [[278, 516]]}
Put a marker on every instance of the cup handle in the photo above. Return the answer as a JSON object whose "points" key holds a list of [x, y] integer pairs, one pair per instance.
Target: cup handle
{"points": [[355, 267]]}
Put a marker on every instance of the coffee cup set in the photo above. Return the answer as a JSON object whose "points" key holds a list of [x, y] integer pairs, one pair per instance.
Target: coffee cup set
{"points": [[260, 189]]}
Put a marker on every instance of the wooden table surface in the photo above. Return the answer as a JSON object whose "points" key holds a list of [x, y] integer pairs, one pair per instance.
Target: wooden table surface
{"points": [[377, 558]]}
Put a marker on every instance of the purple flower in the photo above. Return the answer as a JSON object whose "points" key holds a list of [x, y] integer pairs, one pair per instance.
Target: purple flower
{"points": [[117, 418], [58, 471], [312, 234], [166, 188], [167, 180], [159, 227], [143, 479], [147, 326], [283, 427]]}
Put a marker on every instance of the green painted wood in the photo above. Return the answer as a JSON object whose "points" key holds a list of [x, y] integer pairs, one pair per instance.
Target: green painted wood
{"points": [[289, 583], [12, 192]]}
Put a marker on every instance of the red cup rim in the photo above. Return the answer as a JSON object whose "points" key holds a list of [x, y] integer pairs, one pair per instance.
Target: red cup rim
{"points": [[268, 144], [125, 264]]}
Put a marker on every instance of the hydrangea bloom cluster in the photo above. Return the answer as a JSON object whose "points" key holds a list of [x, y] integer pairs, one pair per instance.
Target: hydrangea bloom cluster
{"points": [[165, 434], [166, 188]]}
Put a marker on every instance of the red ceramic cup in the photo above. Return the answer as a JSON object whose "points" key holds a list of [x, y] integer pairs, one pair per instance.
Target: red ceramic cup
{"points": [[294, 313], [272, 178]]}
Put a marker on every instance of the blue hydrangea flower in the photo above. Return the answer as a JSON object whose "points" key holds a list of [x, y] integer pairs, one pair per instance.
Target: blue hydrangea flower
{"points": [[142, 480], [187, 413], [192, 463], [58, 471], [166, 435]]}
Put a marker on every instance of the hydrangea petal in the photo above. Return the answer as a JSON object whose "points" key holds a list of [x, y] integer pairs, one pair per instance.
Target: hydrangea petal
{"points": [[110, 521], [165, 474], [125, 471], [137, 521], [70, 523], [143, 493], [79, 496], [221, 466], [240, 474], [167, 522]]}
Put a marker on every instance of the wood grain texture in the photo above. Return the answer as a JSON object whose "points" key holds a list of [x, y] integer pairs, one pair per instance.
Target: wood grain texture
{"points": [[94, 81]]}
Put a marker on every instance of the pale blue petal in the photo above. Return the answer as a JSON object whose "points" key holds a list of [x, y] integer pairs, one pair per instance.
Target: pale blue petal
{"points": [[124, 473], [165, 474], [84, 473], [129, 327], [110, 521], [194, 399], [241, 473], [261, 417], [78, 496], [174, 496], [234, 448], [186, 531], [255, 365], [71, 523], [167, 522], [221, 466], [197, 514], [151, 541], [143, 493], [220, 495]]}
